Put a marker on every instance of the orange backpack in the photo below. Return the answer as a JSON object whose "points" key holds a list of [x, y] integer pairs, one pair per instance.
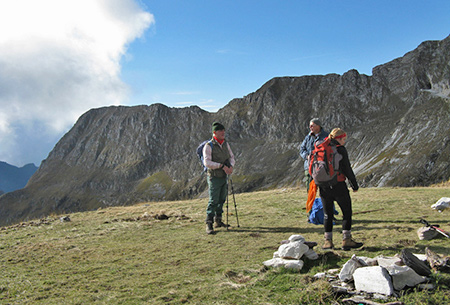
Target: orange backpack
{"points": [[324, 163]]}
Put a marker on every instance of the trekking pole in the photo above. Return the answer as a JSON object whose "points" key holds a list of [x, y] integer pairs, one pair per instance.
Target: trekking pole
{"points": [[235, 207], [227, 205]]}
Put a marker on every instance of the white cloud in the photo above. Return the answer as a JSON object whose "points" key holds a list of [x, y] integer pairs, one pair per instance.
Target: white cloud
{"points": [[59, 59]]}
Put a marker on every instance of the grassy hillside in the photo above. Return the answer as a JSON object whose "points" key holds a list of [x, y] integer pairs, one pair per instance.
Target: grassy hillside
{"points": [[133, 255]]}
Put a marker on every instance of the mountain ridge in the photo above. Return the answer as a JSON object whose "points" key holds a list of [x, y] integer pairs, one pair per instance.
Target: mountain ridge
{"points": [[396, 120], [13, 178]]}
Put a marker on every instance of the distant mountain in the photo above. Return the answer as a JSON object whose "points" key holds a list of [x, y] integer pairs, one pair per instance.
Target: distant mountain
{"points": [[397, 122], [13, 178]]}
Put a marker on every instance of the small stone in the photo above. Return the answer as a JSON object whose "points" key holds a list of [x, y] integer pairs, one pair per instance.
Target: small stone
{"points": [[311, 254], [64, 218], [320, 275], [369, 261], [297, 237], [385, 261], [311, 244], [333, 271]]}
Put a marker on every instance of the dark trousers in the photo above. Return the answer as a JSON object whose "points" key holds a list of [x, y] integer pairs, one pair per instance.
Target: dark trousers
{"points": [[218, 190], [341, 195], [308, 180]]}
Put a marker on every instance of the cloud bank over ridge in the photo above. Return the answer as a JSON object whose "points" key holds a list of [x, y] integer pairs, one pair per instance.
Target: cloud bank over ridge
{"points": [[59, 59]]}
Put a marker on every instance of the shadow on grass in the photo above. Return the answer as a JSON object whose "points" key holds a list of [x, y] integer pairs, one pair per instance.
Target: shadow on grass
{"points": [[326, 261], [263, 230]]}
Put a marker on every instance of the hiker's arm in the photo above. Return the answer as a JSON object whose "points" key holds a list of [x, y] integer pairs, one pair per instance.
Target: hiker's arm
{"points": [[229, 170], [207, 158], [347, 169], [304, 153]]}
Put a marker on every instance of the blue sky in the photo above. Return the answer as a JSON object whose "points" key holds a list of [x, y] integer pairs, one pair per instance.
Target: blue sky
{"points": [[208, 52], [60, 59]]}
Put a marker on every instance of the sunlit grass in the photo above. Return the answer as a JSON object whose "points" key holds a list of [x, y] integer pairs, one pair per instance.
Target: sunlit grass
{"points": [[132, 255]]}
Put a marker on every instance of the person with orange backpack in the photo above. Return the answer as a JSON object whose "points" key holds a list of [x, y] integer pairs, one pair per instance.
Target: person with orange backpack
{"points": [[316, 133], [330, 168]]}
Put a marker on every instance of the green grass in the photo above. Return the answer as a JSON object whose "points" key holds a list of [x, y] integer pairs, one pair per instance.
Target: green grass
{"points": [[125, 255]]}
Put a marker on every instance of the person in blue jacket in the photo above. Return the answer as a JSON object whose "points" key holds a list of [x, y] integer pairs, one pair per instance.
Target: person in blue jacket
{"points": [[317, 133]]}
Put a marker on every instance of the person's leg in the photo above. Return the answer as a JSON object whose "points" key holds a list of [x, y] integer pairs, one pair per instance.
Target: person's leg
{"points": [[222, 198], [345, 203], [326, 195], [215, 186]]}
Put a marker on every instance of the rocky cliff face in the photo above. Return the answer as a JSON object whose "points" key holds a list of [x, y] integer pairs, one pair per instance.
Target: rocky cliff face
{"points": [[397, 121]]}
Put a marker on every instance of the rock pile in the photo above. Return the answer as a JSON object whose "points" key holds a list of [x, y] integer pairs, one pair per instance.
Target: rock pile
{"points": [[382, 276], [291, 251]]}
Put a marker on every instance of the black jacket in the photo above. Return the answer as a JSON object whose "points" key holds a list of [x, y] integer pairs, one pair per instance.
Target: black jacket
{"points": [[345, 167]]}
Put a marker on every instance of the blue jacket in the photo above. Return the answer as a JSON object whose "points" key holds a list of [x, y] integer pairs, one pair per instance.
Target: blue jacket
{"points": [[308, 146]]}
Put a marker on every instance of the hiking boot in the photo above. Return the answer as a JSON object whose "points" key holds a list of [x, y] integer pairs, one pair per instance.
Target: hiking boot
{"points": [[209, 224], [349, 243], [209, 228], [219, 223], [328, 244]]}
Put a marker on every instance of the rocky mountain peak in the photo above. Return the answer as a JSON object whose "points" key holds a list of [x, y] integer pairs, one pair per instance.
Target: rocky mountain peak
{"points": [[397, 122]]}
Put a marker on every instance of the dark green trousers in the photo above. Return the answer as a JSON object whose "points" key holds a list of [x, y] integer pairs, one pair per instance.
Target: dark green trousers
{"points": [[218, 189], [308, 180]]}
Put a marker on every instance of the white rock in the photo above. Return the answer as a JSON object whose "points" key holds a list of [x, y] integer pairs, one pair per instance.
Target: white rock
{"points": [[369, 261], [274, 262], [294, 264], [385, 261], [293, 250], [296, 238], [441, 204], [286, 263], [403, 276], [422, 257], [349, 267], [320, 275], [333, 271], [374, 279], [380, 297], [276, 254], [311, 254]]}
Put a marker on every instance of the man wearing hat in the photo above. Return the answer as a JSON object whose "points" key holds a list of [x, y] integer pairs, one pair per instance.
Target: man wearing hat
{"points": [[219, 160], [317, 133]]}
